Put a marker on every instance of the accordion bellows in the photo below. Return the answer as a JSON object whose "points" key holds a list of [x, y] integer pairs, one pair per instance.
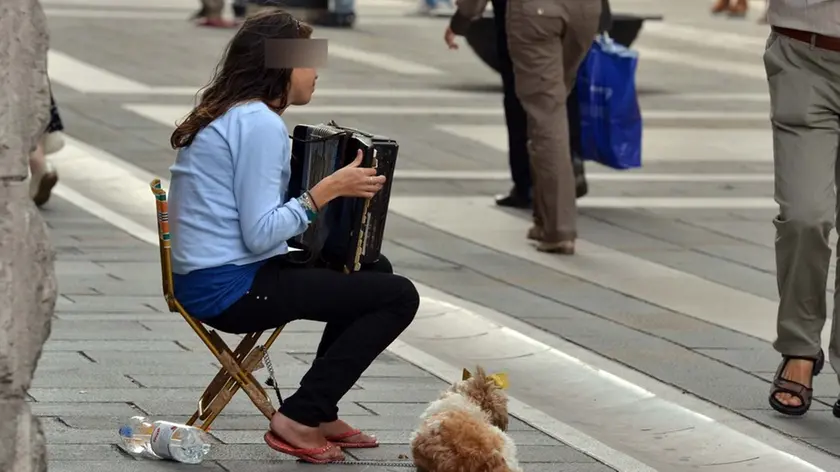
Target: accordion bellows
{"points": [[349, 230]]}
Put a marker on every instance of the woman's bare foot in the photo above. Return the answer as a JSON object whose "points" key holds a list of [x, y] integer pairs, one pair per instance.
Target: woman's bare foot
{"points": [[303, 437], [799, 371], [339, 429]]}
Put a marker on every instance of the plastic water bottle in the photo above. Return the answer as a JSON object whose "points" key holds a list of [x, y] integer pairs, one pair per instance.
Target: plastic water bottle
{"points": [[164, 440]]}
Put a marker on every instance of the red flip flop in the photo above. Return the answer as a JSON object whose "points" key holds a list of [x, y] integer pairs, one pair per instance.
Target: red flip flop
{"points": [[338, 440], [216, 23], [307, 455]]}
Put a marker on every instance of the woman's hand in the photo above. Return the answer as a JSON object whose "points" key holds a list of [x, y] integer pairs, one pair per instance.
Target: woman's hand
{"points": [[349, 181], [355, 181]]}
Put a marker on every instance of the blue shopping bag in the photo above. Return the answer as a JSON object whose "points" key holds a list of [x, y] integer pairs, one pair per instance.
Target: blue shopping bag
{"points": [[611, 122]]}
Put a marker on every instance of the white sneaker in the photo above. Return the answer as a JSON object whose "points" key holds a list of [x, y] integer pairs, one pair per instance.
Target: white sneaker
{"points": [[53, 142]]}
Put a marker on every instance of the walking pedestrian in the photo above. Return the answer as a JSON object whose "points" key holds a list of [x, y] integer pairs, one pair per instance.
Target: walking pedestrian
{"points": [[802, 62], [520, 196]]}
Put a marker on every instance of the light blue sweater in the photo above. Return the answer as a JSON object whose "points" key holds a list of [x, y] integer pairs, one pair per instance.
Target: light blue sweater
{"points": [[228, 208]]}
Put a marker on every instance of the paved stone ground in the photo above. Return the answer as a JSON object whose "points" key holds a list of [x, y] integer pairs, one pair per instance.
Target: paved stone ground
{"points": [[116, 351], [717, 60]]}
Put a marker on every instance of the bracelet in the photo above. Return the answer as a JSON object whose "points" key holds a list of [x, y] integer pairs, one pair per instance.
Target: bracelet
{"points": [[312, 201], [308, 206]]}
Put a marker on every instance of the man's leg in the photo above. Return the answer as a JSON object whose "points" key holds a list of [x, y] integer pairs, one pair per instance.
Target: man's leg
{"points": [[546, 47], [211, 14], [515, 118], [805, 145], [213, 8]]}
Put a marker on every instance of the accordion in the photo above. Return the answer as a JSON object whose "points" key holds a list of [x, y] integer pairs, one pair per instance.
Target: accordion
{"points": [[349, 231]]}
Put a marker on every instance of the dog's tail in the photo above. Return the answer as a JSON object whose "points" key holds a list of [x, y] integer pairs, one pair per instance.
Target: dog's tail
{"points": [[457, 440]]}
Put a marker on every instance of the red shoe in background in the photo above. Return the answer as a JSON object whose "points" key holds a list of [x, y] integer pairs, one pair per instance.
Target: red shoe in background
{"points": [[216, 23]]}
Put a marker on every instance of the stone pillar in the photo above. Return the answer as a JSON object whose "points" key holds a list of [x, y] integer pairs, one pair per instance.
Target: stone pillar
{"points": [[27, 274]]}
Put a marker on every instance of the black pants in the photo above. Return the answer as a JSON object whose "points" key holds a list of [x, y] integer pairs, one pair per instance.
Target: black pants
{"points": [[365, 312], [518, 158], [573, 112]]}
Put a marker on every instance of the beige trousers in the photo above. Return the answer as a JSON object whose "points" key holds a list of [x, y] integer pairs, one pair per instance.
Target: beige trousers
{"points": [[804, 87], [548, 39]]}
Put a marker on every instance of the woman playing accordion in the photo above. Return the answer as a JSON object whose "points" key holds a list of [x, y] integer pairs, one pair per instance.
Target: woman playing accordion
{"points": [[230, 222]]}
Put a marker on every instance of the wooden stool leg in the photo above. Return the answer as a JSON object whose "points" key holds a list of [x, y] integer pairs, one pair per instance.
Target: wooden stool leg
{"points": [[249, 384], [236, 373], [220, 401], [222, 378]]}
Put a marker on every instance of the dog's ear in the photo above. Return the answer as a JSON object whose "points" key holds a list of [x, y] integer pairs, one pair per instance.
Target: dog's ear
{"points": [[466, 375]]}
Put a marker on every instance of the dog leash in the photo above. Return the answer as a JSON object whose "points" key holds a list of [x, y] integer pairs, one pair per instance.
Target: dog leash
{"points": [[408, 465]]}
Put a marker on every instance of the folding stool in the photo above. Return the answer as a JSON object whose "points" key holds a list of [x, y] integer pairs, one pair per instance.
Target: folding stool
{"points": [[237, 365]]}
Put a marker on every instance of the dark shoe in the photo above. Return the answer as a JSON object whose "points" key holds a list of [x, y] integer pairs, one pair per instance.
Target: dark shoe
{"points": [[805, 394], [513, 200], [836, 409], [41, 185], [535, 233]]}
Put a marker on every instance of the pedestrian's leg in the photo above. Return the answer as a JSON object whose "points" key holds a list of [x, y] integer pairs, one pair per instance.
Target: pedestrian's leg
{"points": [[213, 11], [515, 119], [214, 8], [720, 6], [43, 175], [805, 145], [739, 9], [538, 46], [573, 116], [239, 9], [37, 162], [536, 52], [834, 340]]}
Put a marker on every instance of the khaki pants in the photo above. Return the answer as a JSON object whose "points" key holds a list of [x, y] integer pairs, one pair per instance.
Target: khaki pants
{"points": [[804, 87], [548, 39]]}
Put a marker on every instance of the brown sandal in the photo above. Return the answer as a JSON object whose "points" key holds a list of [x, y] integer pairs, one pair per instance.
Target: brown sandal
{"points": [[782, 385]]}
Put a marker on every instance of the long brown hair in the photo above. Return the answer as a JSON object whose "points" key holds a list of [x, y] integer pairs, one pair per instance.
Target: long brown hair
{"points": [[241, 75]]}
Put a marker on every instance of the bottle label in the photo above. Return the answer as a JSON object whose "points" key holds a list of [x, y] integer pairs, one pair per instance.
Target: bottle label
{"points": [[162, 438]]}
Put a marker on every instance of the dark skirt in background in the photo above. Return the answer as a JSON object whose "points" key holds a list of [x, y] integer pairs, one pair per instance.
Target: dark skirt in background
{"points": [[55, 120]]}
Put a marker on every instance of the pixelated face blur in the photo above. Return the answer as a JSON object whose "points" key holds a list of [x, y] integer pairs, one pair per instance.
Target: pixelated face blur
{"points": [[302, 85]]}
